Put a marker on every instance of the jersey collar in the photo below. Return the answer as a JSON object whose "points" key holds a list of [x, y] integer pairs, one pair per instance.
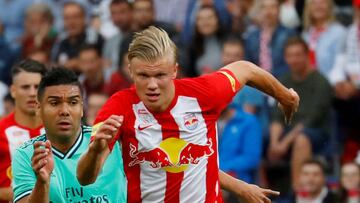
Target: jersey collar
{"points": [[71, 150]]}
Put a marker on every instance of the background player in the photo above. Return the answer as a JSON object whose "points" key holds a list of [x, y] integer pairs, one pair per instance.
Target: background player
{"points": [[44, 168], [23, 123]]}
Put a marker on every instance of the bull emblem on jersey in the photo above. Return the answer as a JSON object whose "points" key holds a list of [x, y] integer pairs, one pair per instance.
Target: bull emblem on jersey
{"points": [[191, 121]]}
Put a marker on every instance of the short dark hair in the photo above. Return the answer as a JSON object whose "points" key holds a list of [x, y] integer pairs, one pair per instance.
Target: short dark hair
{"points": [[121, 2], [234, 39], [297, 40], [58, 76], [90, 47], [316, 162], [74, 3], [28, 65]]}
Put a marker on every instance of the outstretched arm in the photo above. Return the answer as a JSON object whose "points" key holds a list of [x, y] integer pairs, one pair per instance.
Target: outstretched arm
{"points": [[252, 75], [93, 159], [246, 192]]}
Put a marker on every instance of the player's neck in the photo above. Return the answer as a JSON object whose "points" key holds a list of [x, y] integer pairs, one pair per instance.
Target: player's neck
{"points": [[61, 144], [27, 120]]}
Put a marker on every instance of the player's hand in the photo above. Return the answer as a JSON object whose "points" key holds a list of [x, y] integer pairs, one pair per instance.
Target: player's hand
{"points": [[290, 106], [254, 194], [42, 161], [106, 133]]}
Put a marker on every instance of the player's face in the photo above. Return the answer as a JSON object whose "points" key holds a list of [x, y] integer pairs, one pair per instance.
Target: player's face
{"points": [[24, 90], [312, 178], [61, 109], [154, 82]]}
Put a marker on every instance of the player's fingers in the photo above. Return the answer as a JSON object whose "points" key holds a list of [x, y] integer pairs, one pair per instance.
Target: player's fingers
{"points": [[38, 157], [266, 200], [40, 151], [117, 118], [112, 121], [269, 192], [101, 136], [38, 165], [107, 129], [38, 144]]}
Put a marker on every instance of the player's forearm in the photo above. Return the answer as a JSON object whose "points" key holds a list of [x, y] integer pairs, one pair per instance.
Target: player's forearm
{"points": [[252, 75], [90, 165], [6, 193], [230, 183], [40, 193]]}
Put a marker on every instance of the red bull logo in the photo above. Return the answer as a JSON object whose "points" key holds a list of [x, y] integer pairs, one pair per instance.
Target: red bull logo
{"points": [[173, 155], [191, 121]]}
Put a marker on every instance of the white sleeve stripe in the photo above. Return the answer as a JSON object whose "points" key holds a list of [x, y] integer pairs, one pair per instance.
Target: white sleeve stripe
{"points": [[24, 194]]}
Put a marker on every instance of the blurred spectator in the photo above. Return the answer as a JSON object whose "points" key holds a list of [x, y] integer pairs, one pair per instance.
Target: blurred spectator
{"points": [[41, 56], [350, 183], [205, 49], [288, 14], [250, 99], [8, 104], [239, 11], [3, 91], [120, 79], [309, 130], [121, 16], [77, 35], [7, 57], [91, 68], [265, 43], [23, 123], [173, 11], [191, 16], [39, 34], [94, 103], [240, 143], [345, 77], [313, 184], [144, 16], [323, 34], [12, 16]]}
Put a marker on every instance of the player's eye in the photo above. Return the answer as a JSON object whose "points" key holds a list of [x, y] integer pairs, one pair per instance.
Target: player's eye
{"points": [[74, 102], [53, 103]]}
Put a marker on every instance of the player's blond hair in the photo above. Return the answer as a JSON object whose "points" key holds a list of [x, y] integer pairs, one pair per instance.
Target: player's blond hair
{"points": [[152, 44]]}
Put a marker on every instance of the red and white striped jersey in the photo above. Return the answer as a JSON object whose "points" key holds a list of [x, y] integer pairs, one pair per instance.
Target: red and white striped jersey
{"points": [[12, 135], [172, 156]]}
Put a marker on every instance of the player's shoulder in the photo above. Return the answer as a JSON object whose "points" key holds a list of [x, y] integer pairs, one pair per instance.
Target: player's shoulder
{"points": [[6, 121], [86, 131], [28, 145]]}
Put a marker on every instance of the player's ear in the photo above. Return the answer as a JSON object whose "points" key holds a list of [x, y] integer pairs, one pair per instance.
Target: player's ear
{"points": [[131, 73], [176, 67], [12, 91]]}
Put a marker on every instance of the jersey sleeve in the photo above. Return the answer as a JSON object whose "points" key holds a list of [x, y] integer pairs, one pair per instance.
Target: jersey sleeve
{"points": [[216, 90], [114, 106], [23, 176]]}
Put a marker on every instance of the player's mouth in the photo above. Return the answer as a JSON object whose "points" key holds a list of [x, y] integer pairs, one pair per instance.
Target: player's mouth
{"points": [[153, 97], [64, 125], [31, 103]]}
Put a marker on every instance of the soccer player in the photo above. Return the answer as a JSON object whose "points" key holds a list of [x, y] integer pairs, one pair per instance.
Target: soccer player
{"points": [[44, 168], [168, 126], [22, 124]]}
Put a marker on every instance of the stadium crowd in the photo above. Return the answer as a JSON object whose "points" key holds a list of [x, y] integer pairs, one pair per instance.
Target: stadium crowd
{"points": [[312, 46]]}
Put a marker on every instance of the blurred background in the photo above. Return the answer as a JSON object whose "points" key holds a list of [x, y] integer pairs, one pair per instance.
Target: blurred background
{"points": [[312, 46]]}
